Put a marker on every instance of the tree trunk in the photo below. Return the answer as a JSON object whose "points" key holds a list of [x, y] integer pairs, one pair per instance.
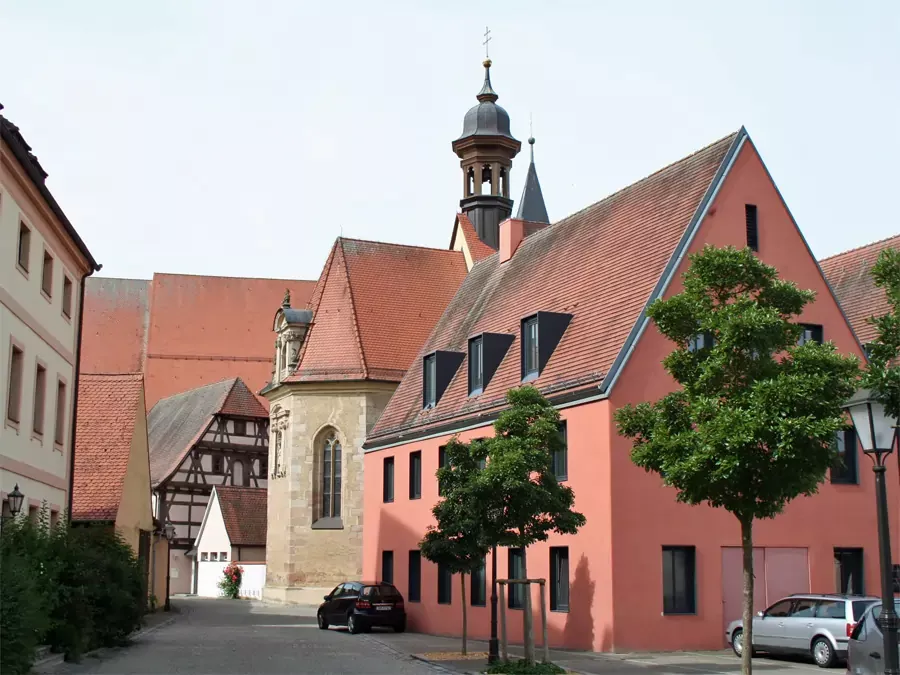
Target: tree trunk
{"points": [[527, 618], [462, 588], [747, 639]]}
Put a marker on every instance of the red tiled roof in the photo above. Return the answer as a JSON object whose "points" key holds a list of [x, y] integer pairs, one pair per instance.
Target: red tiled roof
{"points": [[108, 409], [600, 265], [114, 329], [178, 422], [373, 307], [848, 273], [477, 248], [244, 513]]}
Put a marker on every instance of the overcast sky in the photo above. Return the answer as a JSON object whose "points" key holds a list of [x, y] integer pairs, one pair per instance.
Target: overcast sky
{"points": [[240, 138]]}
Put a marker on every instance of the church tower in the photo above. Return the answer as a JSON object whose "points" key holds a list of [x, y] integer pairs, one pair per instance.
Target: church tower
{"points": [[486, 149]]}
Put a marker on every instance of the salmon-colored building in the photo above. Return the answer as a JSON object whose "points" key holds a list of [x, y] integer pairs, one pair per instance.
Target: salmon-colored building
{"points": [[184, 331], [562, 307]]}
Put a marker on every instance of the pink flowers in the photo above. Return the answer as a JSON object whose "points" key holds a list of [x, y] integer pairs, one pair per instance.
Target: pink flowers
{"points": [[231, 580]]}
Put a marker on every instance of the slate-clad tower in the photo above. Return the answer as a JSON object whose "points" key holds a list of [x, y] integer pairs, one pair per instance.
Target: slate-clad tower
{"points": [[486, 149]]}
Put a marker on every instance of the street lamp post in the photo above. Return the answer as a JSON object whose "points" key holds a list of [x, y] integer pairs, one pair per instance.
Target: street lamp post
{"points": [[169, 532], [876, 432]]}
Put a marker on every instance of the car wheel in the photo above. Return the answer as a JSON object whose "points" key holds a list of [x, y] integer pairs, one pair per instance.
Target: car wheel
{"points": [[823, 652], [353, 624], [737, 642], [400, 626], [320, 619]]}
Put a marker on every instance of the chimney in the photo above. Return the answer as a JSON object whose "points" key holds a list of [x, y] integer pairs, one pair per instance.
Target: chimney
{"points": [[512, 232]]}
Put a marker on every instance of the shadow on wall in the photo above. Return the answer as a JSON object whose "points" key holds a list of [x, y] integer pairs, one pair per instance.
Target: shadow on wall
{"points": [[579, 630]]}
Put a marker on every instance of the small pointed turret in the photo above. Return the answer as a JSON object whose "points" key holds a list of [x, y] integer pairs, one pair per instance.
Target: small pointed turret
{"points": [[531, 205], [487, 92]]}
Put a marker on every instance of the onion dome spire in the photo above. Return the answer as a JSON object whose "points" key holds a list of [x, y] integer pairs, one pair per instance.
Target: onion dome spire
{"points": [[487, 92]]}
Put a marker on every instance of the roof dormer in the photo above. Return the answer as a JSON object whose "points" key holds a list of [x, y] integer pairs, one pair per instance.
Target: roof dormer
{"points": [[438, 369], [541, 334]]}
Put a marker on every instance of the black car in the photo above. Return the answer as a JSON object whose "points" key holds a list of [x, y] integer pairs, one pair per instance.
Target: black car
{"points": [[359, 606]]}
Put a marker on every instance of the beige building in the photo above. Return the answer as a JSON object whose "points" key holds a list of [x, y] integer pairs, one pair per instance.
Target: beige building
{"points": [[42, 270]]}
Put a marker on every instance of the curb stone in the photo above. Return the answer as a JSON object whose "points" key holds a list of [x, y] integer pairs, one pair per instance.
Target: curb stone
{"points": [[55, 660], [437, 667]]}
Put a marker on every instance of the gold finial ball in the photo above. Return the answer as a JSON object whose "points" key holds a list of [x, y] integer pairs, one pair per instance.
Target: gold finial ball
{"points": [[487, 63]]}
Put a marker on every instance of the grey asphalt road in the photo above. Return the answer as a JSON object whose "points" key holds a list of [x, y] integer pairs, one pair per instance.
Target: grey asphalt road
{"points": [[222, 636]]}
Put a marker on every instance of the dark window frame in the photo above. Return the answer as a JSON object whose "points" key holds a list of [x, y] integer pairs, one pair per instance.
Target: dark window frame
{"points": [[476, 366], [47, 265], [688, 606], [817, 333], [531, 360], [478, 586], [217, 459], [67, 296], [751, 220], [442, 462], [388, 473], [559, 599], [414, 582], [240, 427], [415, 474], [387, 567], [515, 560], [429, 380], [23, 248], [850, 552], [444, 585], [332, 479], [559, 460], [846, 472]]}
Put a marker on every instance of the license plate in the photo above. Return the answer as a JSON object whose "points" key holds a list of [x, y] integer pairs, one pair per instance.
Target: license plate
{"points": [[382, 608]]}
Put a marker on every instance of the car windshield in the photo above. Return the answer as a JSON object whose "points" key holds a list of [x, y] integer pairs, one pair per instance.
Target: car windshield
{"points": [[859, 608]]}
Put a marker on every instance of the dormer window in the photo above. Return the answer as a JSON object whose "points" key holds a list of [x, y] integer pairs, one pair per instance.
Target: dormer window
{"points": [[530, 340], [476, 365], [811, 333], [541, 334], [430, 374], [438, 369]]}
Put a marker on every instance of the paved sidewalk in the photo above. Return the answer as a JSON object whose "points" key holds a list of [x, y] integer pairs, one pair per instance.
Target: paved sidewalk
{"points": [[722, 662]]}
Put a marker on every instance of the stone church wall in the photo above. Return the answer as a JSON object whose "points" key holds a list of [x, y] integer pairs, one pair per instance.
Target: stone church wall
{"points": [[305, 551]]}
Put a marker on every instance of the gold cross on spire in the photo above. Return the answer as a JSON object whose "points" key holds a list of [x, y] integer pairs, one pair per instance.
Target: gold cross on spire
{"points": [[487, 38]]}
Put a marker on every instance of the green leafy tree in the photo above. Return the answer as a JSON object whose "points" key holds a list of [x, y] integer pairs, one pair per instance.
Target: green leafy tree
{"points": [[753, 422], [882, 375], [457, 540], [521, 499]]}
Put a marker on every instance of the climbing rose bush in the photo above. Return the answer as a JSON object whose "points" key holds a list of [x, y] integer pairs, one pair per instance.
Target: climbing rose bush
{"points": [[230, 583]]}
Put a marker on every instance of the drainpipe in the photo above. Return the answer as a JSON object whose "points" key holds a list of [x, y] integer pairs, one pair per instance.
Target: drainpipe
{"points": [[97, 268]]}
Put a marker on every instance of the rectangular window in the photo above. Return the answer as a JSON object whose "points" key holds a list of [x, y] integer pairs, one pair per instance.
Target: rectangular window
{"points": [[217, 464], [204, 556], [515, 568], [388, 480], [750, 215], [445, 584], [24, 253], [214, 556], [442, 462], [679, 593], [559, 578], [387, 567], [14, 395], [60, 436], [40, 398], [530, 353], [811, 333], [845, 468], [429, 373], [476, 366], [478, 587], [47, 275], [848, 571], [240, 427], [414, 591], [560, 459], [415, 474], [67, 297], [223, 556]]}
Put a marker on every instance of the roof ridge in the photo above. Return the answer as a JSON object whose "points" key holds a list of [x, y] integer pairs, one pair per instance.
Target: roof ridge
{"points": [[359, 345], [387, 243], [860, 248], [202, 386], [135, 374], [221, 276]]}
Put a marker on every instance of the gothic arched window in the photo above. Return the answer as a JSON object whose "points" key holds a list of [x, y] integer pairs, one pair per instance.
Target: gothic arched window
{"points": [[331, 477]]}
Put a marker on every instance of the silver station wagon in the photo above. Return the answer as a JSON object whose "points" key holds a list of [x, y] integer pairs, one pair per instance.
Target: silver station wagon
{"points": [[818, 625]]}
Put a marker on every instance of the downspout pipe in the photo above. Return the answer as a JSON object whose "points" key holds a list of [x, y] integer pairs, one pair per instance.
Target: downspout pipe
{"points": [[95, 268]]}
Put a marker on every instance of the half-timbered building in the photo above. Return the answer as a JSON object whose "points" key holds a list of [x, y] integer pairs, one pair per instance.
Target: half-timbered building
{"points": [[209, 436]]}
